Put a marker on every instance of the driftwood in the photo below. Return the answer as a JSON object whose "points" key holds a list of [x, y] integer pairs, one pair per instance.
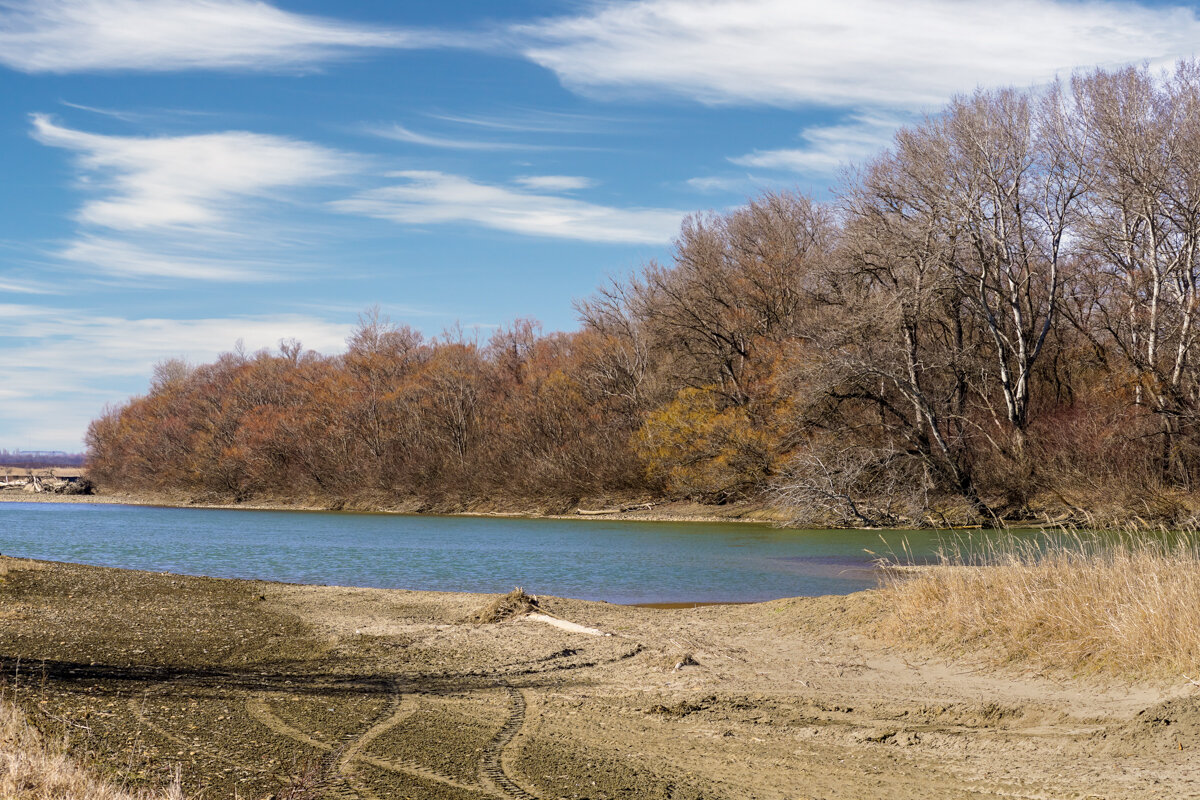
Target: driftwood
{"points": [[601, 511]]}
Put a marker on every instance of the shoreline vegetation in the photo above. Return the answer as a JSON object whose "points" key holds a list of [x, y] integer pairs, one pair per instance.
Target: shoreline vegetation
{"points": [[220, 686], [760, 512], [749, 512], [993, 321], [1114, 604]]}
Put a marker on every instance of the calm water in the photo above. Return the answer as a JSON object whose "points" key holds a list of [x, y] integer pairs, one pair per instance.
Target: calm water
{"points": [[621, 562]]}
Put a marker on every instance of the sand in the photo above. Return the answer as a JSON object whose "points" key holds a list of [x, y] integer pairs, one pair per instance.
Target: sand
{"points": [[360, 693]]}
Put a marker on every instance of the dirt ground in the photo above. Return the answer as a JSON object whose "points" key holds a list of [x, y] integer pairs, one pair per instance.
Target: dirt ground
{"points": [[262, 690]]}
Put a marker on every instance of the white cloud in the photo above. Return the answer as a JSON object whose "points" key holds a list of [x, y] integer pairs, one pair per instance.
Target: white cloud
{"points": [[828, 147], [432, 198], [188, 181], [70, 345], [124, 116], [852, 53], [555, 183], [743, 184], [163, 35], [536, 121], [824, 151], [61, 367], [400, 133], [122, 259], [15, 286], [163, 200]]}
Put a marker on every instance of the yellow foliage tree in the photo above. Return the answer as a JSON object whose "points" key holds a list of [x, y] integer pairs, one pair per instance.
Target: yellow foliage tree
{"points": [[700, 447]]}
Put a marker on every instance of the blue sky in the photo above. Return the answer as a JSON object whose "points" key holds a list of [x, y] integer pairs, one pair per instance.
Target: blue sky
{"points": [[179, 175]]}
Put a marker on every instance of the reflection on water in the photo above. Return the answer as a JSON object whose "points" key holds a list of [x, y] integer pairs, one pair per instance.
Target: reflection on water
{"points": [[616, 561]]}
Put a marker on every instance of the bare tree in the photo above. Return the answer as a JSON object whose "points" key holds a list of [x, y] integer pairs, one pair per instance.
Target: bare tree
{"points": [[854, 486], [1012, 202], [737, 282], [617, 361], [1140, 144]]}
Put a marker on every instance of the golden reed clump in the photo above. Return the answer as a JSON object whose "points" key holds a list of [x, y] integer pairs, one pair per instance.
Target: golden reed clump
{"points": [[1117, 605], [33, 769]]}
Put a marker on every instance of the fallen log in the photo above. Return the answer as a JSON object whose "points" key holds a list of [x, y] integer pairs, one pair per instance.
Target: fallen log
{"points": [[622, 509]]}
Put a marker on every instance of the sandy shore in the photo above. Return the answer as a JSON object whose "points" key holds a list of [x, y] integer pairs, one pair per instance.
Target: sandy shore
{"points": [[367, 693]]}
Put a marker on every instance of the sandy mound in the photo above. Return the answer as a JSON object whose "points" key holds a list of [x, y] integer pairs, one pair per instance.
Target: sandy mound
{"points": [[677, 661], [1170, 725]]}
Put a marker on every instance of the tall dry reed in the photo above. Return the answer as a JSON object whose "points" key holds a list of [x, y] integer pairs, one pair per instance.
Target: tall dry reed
{"points": [[1123, 605], [32, 768]]}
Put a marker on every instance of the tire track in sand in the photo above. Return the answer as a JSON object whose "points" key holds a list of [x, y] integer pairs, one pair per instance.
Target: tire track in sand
{"points": [[137, 708], [342, 760], [260, 711], [491, 764], [337, 767], [420, 771]]}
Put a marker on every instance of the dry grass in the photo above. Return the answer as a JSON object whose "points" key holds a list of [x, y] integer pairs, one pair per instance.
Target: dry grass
{"points": [[514, 604], [33, 769], [1122, 606]]}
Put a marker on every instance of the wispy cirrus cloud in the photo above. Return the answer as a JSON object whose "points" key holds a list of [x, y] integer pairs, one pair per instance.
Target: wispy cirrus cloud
{"points": [[124, 116], [143, 117], [555, 183], [121, 346], [436, 198], [50, 392], [728, 184], [854, 53], [155, 204], [399, 133], [123, 259], [823, 151], [776, 52], [17, 286], [537, 121], [62, 36], [827, 148], [186, 181]]}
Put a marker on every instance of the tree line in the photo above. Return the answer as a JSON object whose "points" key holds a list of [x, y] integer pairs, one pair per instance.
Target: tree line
{"points": [[40, 458], [994, 316]]}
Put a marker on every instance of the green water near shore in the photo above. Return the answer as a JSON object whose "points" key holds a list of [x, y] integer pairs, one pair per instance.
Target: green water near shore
{"points": [[616, 561]]}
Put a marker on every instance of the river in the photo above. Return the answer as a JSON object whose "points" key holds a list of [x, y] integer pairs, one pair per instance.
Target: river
{"points": [[613, 560]]}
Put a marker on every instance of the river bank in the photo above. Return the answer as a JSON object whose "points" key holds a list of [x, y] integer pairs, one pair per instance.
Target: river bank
{"points": [[1163, 512], [253, 687], [645, 511]]}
